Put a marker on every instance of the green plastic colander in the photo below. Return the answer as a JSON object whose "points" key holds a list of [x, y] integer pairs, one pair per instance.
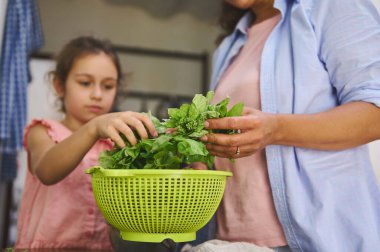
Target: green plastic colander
{"points": [[154, 205]]}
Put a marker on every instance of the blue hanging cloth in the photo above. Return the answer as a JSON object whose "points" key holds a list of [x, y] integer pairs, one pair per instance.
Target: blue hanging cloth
{"points": [[22, 36]]}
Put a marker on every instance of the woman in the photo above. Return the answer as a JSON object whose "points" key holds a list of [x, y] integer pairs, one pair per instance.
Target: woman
{"points": [[308, 72]]}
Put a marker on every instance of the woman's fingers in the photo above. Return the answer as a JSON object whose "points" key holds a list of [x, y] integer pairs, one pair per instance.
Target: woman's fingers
{"points": [[231, 151], [234, 123], [198, 166], [256, 132], [227, 139], [249, 111], [170, 131]]}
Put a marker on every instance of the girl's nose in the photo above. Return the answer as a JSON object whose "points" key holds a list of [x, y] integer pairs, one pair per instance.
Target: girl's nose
{"points": [[96, 92]]}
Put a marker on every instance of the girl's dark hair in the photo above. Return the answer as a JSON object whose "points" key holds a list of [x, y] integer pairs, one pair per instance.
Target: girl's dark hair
{"points": [[79, 47], [228, 19]]}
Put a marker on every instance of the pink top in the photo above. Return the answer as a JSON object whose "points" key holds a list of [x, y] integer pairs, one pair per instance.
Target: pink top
{"points": [[252, 217], [64, 215]]}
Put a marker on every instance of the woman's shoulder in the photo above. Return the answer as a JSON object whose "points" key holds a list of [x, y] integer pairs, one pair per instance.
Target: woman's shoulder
{"points": [[340, 6]]}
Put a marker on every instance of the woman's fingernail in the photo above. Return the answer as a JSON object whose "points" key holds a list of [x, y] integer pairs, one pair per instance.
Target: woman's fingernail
{"points": [[155, 134], [206, 124], [204, 138]]}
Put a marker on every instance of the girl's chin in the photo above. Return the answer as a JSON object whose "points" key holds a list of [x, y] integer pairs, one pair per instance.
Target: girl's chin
{"points": [[241, 4]]}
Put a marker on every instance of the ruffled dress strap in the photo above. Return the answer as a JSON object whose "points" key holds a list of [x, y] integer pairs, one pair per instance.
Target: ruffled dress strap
{"points": [[56, 130]]}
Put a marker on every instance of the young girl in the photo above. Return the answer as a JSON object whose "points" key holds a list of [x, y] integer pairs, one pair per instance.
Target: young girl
{"points": [[58, 209]]}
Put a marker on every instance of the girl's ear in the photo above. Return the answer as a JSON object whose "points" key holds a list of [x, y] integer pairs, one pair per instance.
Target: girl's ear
{"points": [[59, 88]]}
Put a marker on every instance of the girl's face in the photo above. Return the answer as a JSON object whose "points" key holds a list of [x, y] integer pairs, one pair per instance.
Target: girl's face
{"points": [[247, 4], [90, 88]]}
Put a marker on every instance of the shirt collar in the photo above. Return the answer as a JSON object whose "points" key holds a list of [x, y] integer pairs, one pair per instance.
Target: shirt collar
{"points": [[282, 5], [246, 20], [244, 23]]}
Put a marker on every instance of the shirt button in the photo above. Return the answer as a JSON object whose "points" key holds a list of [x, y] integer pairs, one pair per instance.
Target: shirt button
{"points": [[90, 211], [90, 189]]}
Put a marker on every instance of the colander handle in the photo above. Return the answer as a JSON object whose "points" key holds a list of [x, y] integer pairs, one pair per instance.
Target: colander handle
{"points": [[108, 172], [93, 169]]}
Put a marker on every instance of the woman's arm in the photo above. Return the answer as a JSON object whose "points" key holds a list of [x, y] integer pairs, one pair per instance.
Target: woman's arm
{"points": [[348, 48], [343, 127], [52, 162]]}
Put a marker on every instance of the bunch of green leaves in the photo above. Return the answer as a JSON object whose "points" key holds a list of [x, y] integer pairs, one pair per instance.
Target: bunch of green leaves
{"points": [[179, 147]]}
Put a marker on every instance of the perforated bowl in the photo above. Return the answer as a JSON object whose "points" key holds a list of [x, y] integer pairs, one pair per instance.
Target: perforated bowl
{"points": [[154, 205]]}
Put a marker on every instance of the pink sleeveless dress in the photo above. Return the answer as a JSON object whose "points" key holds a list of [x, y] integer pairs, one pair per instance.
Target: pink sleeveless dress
{"points": [[247, 210], [64, 215]]}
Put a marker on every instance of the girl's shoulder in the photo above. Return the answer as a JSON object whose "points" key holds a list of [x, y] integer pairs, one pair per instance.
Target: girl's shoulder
{"points": [[56, 130]]}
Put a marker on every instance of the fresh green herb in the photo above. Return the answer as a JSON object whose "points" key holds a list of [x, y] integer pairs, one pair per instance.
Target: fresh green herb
{"points": [[182, 146]]}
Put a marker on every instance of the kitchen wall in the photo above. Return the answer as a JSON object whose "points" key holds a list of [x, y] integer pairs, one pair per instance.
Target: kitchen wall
{"points": [[377, 3], [127, 24], [178, 26]]}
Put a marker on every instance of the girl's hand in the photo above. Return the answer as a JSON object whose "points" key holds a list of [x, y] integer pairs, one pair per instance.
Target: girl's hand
{"points": [[257, 130], [111, 125]]}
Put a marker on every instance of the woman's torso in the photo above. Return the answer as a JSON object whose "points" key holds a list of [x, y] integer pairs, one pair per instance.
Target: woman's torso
{"points": [[311, 62], [251, 218]]}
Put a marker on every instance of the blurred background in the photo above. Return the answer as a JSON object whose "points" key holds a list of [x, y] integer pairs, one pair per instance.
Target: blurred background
{"points": [[165, 47]]}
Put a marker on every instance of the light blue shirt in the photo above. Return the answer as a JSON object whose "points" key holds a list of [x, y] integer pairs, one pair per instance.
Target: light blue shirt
{"points": [[320, 55]]}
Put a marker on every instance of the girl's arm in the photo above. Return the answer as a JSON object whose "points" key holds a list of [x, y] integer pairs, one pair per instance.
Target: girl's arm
{"points": [[52, 162], [343, 127]]}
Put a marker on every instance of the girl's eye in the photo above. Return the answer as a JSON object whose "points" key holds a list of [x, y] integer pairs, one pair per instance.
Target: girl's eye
{"points": [[85, 83], [109, 86]]}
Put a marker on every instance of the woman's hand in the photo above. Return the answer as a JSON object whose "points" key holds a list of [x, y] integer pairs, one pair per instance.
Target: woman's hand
{"points": [[199, 166], [257, 130], [126, 123]]}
